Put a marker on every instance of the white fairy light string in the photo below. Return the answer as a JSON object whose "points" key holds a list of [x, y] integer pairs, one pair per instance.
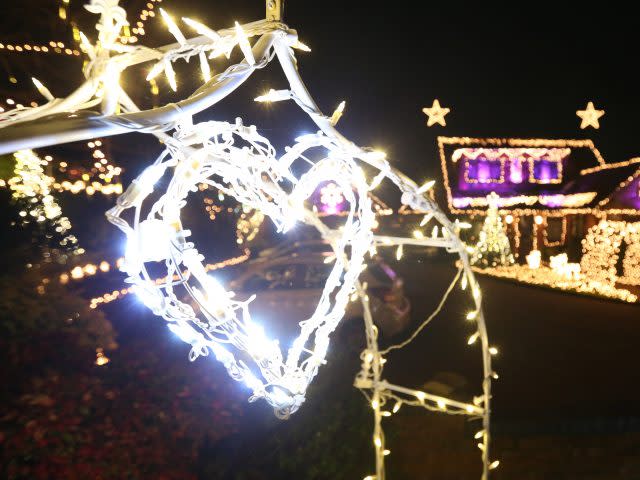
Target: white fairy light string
{"points": [[224, 322], [241, 163]]}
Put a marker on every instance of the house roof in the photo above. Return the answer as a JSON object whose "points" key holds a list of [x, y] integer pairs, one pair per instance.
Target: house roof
{"points": [[625, 198], [586, 181], [603, 180]]}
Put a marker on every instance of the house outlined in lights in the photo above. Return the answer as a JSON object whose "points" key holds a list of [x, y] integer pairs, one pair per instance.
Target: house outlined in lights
{"points": [[551, 191]]}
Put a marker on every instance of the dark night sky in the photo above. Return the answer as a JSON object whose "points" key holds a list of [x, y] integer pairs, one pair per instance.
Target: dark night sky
{"points": [[520, 72], [503, 72]]}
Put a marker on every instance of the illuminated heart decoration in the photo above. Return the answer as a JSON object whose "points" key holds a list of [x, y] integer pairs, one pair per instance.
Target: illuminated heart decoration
{"points": [[243, 164]]}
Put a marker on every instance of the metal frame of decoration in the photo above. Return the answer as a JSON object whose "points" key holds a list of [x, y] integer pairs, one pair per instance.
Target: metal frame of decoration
{"points": [[242, 163]]}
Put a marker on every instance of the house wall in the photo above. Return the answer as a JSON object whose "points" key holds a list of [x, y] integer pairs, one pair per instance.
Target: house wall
{"points": [[525, 235]]}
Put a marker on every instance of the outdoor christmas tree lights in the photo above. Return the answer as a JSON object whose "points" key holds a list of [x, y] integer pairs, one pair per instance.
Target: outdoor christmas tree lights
{"points": [[493, 248]]}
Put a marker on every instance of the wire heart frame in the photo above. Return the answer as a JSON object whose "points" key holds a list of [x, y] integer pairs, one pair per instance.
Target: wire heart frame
{"points": [[240, 162]]}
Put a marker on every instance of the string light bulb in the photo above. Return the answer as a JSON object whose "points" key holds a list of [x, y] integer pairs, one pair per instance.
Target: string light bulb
{"points": [[426, 186], [274, 96], [201, 29], [301, 46], [337, 114], [173, 28], [155, 71], [204, 67], [44, 91], [426, 219], [243, 42], [171, 76]]}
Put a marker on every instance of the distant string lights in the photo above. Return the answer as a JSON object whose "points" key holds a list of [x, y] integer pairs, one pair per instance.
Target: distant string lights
{"points": [[104, 170], [569, 203], [82, 272], [133, 34], [631, 260], [30, 176], [546, 276], [248, 225], [563, 232], [52, 48], [32, 188], [130, 34], [602, 248], [102, 177], [598, 271], [119, 294]]}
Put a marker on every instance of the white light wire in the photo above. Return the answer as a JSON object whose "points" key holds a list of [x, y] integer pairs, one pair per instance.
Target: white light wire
{"points": [[243, 164]]}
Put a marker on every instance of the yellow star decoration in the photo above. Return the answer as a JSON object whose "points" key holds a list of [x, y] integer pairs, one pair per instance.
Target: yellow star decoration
{"points": [[436, 114], [590, 116]]}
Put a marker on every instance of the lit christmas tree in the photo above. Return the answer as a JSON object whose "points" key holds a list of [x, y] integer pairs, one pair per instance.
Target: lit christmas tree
{"points": [[493, 249]]}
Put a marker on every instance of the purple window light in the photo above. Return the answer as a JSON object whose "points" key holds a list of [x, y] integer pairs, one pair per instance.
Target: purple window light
{"points": [[545, 171], [483, 170], [515, 171]]}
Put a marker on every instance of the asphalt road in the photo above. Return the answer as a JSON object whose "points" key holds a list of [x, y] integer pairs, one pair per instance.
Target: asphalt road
{"points": [[560, 354], [567, 368]]}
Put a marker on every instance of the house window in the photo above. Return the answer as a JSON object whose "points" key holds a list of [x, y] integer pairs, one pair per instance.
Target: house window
{"points": [[516, 170], [482, 170], [546, 171], [555, 232]]}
